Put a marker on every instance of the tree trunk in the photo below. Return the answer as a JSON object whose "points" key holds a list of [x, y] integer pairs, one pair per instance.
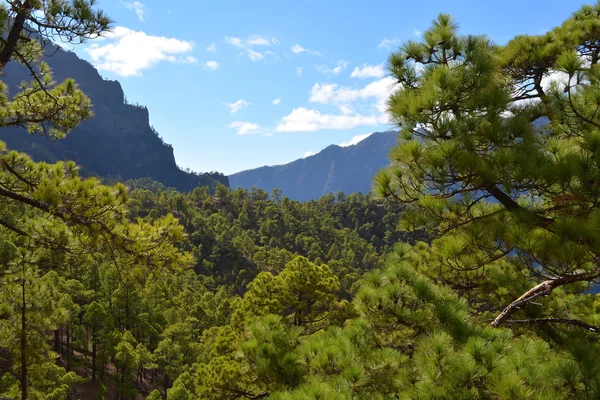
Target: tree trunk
{"points": [[57, 340], [85, 353], [68, 349], [23, 342], [93, 359], [62, 348]]}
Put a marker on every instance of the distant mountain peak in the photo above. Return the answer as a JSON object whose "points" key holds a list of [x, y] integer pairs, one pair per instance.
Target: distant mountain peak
{"points": [[348, 169]]}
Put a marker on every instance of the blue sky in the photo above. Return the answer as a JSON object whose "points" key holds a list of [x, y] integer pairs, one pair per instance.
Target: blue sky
{"points": [[234, 85]]}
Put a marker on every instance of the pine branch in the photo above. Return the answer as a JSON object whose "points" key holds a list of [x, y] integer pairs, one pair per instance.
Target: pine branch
{"points": [[511, 205], [543, 289], [574, 322], [12, 228], [65, 214], [17, 175], [15, 34]]}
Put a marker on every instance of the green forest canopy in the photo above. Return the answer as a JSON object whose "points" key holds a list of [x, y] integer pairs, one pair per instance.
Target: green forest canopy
{"points": [[467, 277]]}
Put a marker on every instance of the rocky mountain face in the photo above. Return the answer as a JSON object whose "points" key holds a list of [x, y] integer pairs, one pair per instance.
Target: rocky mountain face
{"points": [[347, 169], [116, 142]]}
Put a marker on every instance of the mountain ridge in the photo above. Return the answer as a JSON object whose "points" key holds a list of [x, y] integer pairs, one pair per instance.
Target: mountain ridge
{"points": [[347, 169]]}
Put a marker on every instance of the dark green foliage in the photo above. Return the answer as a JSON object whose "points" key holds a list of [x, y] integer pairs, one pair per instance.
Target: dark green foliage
{"points": [[247, 295], [236, 234]]}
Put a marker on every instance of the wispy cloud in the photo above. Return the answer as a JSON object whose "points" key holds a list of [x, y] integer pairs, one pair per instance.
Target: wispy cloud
{"points": [[299, 70], [248, 45], [368, 71], [418, 33], [341, 65], [388, 43], [297, 49], [355, 140], [245, 128], [138, 7], [211, 65], [129, 52], [258, 40], [309, 153], [237, 106], [276, 101], [212, 48]]}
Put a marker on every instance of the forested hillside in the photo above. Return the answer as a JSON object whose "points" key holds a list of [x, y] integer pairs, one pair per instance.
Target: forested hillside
{"points": [[236, 234], [466, 274], [334, 169]]}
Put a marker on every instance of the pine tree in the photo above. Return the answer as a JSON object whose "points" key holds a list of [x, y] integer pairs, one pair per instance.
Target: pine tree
{"points": [[498, 159], [27, 28]]}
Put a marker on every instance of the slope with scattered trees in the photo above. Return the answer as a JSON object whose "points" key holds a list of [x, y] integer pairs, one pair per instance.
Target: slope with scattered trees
{"points": [[149, 292]]}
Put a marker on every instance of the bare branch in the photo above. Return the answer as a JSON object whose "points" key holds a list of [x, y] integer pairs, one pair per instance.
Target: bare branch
{"points": [[543, 289]]}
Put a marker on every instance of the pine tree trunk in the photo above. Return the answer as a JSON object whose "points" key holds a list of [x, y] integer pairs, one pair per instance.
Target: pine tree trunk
{"points": [[68, 349], [57, 340], [123, 382], [93, 359], [62, 348], [85, 353], [23, 342]]}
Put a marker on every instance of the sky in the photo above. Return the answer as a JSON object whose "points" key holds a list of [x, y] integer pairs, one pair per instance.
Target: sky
{"points": [[235, 85]]}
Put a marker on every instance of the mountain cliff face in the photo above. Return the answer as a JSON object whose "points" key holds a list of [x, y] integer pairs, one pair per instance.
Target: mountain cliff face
{"points": [[117, 141], [347, 169]]}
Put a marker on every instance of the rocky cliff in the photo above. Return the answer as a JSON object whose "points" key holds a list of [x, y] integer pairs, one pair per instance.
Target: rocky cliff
{"points": [[117, 142]]}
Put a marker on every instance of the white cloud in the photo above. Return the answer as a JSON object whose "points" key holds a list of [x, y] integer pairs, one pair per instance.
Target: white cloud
{"points": [[555, 77], [304, 120], [130, 52], [297, 49], [255, 55], [558, 78], [211, 65], [299, 70], [374, 96], [234, 41], [332, 93], [245, 128], [212, 48], [368, 71], [388, 43], [355, 140], [237, 106], [417, 32], [342, 64], [137, 6], [309, 153], [345, 109], [276, 101], [258, 40], [323, 93], [252, 41]]}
